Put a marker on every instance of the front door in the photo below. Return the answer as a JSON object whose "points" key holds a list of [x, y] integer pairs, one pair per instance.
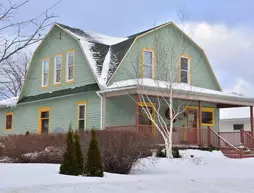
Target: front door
{"points": [[192, 121]]}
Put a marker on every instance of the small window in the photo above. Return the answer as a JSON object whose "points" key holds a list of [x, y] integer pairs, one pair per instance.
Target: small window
{"points": [[148, 63], [45, 72], [82, 116], [143, 118], [8, 121], [57, 68], [184, 70], [44, 120], [70, 67], [238, 126], [208, 117]]}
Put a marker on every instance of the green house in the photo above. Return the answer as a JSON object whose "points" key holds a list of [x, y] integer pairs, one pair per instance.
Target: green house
{"points": [[94, 81]]}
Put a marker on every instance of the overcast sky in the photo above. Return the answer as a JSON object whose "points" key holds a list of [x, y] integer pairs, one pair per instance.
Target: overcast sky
{"points": [[224, 29]]}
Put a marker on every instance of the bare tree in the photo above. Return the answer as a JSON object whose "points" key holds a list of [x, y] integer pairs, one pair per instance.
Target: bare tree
{"points": [[13, 72], [162, 89], [17, 35]]}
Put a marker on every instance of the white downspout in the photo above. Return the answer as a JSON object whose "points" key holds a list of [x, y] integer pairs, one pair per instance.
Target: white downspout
{"points": [[101, 125]]}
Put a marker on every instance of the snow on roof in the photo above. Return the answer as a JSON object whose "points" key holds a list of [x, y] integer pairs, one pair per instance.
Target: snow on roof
{"points": [[104, 39], [105, 67], [176, 86], [11, 102], [87, 41]]}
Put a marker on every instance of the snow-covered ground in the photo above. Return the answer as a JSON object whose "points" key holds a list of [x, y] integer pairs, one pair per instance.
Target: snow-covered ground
{"points": [[204, 173]]}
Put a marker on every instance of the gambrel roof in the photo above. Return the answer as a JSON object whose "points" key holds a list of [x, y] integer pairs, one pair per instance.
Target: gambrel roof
{"points": [[104, 53]]}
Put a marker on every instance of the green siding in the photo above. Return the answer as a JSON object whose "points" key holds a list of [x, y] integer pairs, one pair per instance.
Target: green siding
{"points": [[201, 74], [120, 111], [63, 112], [51, 46]]}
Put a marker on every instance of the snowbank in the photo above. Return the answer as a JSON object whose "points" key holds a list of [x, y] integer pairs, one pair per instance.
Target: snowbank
{"points": [[214, 173]]}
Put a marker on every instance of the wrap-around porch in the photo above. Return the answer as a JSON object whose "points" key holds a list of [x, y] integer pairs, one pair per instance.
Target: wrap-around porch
{"points": [[197, 125]]}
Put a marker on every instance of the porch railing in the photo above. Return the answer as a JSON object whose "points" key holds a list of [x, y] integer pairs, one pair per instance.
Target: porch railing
{"points": [[247, 139]]}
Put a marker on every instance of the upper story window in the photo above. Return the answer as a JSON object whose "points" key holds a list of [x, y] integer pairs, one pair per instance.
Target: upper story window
{"points": [[184, 69], [45, 73], [70, 66], [57, 69], [148, 68]]}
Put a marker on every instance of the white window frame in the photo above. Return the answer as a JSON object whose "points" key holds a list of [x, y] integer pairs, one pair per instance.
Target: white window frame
{"points": [[67, 67], [55, 69], [42, 73], [84, 103], [188, 70], [152, 65]]}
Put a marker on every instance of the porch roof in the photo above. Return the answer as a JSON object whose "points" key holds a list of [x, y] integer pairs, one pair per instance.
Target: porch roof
{"points": [[180, 90]]}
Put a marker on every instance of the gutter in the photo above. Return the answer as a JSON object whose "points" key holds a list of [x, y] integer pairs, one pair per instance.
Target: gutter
{"points": [[101, 97]]}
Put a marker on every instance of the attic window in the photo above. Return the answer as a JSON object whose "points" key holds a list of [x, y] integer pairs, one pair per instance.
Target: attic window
{"points": [[57, 69], [45, 73], [70, 66], [148, 63], [184, 69]]}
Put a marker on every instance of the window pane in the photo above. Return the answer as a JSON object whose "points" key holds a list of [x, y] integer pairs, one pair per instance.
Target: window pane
{"points": [[238, 126], [81, 125], [8, 121], [45, 66], [144, 120], [207, 117], [143, 112], [45, 114], [44, 126], [58, 76], [70, 75], [148, 72], [71, 59], [58, 62], [184, 63], [82, 112], [184, 76], [45, 79], [148, 58]]}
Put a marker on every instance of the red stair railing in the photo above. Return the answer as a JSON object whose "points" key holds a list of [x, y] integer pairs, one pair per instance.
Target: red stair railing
{"points": [[246, 138]]}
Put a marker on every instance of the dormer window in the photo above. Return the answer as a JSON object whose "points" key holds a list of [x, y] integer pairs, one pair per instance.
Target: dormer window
{"points": [[148, 66], [45, 73], [184, 69]]}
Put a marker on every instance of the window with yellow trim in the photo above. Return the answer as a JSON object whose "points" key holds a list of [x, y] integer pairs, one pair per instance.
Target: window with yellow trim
{"points": [[184, 74], [70, 66], [146, 109], [45, 73], [207, 116], [57, 69], [82, 116], [148, 63], [8, 121], [44, 119]]}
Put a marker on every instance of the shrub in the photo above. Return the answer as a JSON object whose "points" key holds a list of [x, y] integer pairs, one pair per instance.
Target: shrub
{"points": [[175, 152], [93, 166], [68, 166], [122, 149], [15, 146], [160, 153], [79, 154]]}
